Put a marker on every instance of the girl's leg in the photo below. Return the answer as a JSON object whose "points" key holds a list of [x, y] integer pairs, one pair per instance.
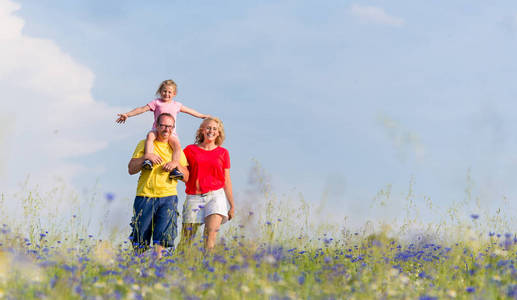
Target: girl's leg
{"points": [[174, 142], [149, 146], [188, 232], [212, 225]]}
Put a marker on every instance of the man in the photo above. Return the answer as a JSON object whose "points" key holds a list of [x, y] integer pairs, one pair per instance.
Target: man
{"points": [[156, 201]]}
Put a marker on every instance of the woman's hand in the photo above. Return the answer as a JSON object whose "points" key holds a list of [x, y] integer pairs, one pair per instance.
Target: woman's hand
{"points": [[231, 213]]}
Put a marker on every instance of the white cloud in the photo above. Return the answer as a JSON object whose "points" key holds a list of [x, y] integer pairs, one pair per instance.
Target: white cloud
{"points": [[374, 14], [48, 113]]}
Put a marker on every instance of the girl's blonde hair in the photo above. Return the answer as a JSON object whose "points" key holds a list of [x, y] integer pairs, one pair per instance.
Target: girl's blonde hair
{"points": [[199, 134], [164, 83]]}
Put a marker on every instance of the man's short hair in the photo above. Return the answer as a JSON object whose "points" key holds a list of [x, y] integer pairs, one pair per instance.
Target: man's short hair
{"points": [[163, 115]]}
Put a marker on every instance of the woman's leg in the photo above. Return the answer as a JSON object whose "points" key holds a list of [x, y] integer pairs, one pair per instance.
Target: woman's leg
{"points": [[188, 232], [212, 225]]}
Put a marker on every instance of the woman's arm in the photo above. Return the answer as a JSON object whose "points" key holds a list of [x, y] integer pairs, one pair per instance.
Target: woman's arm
{"points": [[229, 193], [185, 172], [139, 110], [193, 112]]}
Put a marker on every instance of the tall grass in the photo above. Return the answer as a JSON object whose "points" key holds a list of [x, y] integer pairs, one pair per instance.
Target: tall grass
{"points": [[272, 250]]}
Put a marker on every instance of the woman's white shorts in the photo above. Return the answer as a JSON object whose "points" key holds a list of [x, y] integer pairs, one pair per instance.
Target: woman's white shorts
{"points": [[197, 207]]}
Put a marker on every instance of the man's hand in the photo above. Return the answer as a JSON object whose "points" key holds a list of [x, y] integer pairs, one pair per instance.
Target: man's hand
{"points": [[170, 166], [155, 159], [121, 118]]}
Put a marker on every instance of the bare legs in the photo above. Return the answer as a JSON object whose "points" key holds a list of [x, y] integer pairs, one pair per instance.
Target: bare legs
{"points": [[212, 225], [174, 142], [188, 231]]}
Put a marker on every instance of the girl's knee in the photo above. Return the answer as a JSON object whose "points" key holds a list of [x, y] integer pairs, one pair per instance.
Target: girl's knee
{"points": [[151, 135]]}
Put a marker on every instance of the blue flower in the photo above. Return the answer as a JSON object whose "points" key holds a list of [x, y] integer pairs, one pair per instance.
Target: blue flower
{"points": [[470, 289], [474, 216], [512, 291], [301, 279], [109, 197]]}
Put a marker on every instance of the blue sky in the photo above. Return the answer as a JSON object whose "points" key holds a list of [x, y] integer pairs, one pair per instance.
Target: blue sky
{"points": [[335, 100]]}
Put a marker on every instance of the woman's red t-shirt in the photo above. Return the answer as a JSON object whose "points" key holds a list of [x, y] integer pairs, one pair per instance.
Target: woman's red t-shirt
{"points": [[206, 168]]}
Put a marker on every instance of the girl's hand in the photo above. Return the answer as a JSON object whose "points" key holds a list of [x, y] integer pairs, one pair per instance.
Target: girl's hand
{"points": [[121, 118]]}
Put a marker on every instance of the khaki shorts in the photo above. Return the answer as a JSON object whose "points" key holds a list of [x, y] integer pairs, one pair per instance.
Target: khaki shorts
{"points": [[197, 207]]}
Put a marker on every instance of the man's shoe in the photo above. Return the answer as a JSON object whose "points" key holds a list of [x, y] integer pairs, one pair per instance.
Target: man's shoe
{"points": [[147, 165], [175, 174]]}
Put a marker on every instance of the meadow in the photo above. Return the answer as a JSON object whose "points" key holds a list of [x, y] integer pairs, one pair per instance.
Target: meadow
{"points": [[268, 252]]}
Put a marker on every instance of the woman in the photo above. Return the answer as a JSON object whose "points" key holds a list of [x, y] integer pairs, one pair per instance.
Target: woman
{"points": [[209, 187]]}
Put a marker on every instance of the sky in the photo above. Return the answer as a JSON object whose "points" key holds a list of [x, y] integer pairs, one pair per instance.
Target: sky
{"points": [[336, 101]]}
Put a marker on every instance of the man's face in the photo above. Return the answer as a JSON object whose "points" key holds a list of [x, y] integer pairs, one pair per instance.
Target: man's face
{"points": [[165, 126]]}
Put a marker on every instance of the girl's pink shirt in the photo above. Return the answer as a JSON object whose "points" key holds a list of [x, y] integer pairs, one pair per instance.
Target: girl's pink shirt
{"points": [[158, 107]]}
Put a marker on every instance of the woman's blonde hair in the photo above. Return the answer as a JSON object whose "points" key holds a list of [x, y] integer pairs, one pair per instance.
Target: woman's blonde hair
{"points": [[164, 83], [199, 134]]}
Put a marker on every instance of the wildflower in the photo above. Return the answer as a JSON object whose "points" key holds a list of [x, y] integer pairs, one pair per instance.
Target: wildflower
{"points": [[470, 289], [301, 279], [234, 268], [109, 197], [512, 291], [53, 281], [474, 216]]}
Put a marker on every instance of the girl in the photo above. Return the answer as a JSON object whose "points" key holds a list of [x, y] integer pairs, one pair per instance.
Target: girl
{"points": [[165, 103]]}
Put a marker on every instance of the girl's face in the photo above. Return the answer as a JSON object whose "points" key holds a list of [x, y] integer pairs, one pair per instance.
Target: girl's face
{"points": [[167, 93], [211, 131]]}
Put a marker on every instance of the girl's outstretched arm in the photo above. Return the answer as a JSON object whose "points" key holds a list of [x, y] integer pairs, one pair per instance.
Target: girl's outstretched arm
{"points": [[193, 112], [123, 117]]}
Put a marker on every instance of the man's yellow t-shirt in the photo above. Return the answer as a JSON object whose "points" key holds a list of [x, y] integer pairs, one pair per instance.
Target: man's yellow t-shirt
{"points": [[156, 182]]}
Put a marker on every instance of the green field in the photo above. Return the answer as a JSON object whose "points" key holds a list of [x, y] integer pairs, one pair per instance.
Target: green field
{"points": [[270, 254]]}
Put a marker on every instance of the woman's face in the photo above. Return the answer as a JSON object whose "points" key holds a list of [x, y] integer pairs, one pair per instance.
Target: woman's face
{"points": [[210, 131]]}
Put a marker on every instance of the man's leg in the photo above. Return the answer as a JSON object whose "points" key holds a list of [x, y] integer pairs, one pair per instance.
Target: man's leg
{"points": [[165, 228], [141, 223]]}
